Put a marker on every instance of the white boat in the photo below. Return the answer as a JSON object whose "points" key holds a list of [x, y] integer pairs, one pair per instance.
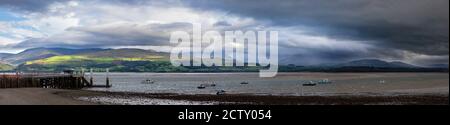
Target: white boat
{"points": [[310, 83], [202, 86]]}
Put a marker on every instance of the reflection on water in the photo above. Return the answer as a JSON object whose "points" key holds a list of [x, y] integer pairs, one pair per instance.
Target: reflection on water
{"points": [[283, 84]]}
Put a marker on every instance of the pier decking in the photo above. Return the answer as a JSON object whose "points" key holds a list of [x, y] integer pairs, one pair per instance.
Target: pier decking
{"points": [[45, 80]]}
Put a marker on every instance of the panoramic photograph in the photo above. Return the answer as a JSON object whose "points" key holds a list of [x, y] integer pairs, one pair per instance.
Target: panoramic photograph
{"points": [[224, 52]]}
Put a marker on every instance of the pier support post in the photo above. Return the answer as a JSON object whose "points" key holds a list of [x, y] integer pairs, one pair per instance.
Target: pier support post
{"points": [[17, 80], [91, 80], [107, 77]]}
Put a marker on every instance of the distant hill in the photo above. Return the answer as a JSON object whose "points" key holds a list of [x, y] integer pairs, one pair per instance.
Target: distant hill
{"points": [[120, 60], [115, 59], [402, 64], [138, 60], [376, 63], [128, 53], [104, 56], [365, 65], [41, 53], [2, 55], [438, 66]]}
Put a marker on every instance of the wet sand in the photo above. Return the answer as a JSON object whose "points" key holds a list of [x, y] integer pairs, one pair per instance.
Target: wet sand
{"points": [[127, 98], [37, 96], [41, 96]]}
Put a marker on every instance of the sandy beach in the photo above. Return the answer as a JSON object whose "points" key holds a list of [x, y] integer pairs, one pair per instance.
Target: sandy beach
{"points": [[37, 96], [41, 96]]}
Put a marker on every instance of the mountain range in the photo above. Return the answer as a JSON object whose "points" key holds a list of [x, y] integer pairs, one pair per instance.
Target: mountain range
{"points": [[376, 63], [41, 53], [56, 59], [438, 66], [5, 55], [138, 60]]}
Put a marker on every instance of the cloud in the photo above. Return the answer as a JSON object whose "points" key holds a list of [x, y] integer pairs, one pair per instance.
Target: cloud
{"points": [[12, 33], [418, 26], [120, 25], [33, 23], [115, 34], [311, 31]]}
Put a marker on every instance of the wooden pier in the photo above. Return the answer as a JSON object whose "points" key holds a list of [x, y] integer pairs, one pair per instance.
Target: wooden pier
{"points": [[47, 80]]}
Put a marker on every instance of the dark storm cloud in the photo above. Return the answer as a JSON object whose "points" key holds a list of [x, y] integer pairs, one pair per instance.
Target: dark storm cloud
{"points": [[121, 34], [42, 5], [391, 29], [29, 5], [317, 57], [419, 26]]}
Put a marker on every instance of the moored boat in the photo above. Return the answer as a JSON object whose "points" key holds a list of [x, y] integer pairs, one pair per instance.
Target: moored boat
{"points": [[202, 86], [310, 83], [244, 82]]}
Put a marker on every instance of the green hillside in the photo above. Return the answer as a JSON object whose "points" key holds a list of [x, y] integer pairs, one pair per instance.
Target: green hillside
{"points": [[5, 67], [120, 60], [106, 56], [79, 59], [129, 53], [42, 53], [117, 60]]}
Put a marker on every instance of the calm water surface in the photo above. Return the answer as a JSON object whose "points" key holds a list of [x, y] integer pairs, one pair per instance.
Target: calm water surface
{"points": [[283, 84]]}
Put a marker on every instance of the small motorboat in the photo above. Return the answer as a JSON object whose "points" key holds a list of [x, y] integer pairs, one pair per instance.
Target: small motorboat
{"points": [[148, 81], [310, 83], [202, 86], [221, 92], [244, 83]]}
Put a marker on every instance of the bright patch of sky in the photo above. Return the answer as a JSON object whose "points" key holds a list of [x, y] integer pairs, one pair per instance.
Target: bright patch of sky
{"points": [[6, 15]]}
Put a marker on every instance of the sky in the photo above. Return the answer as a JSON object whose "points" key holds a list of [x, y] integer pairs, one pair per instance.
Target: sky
{"points": [[310, 31]]}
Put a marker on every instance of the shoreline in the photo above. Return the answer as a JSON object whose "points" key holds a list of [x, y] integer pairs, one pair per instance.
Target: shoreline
{"points": [[246, 99], [41, 96]]}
